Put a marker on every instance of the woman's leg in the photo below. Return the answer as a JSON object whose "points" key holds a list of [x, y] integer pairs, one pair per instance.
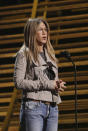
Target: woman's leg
{"points": [[52, 119], [32, 117]]}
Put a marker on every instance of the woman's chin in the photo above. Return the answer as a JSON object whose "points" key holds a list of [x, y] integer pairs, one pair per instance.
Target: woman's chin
{"points": [[41, 43]]}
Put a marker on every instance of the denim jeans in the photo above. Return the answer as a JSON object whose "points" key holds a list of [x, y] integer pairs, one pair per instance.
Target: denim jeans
{"points": [[37, 116]]}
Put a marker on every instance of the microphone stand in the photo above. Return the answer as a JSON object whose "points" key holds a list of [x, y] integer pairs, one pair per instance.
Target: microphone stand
{"points": [[67, 55], [75, 84]]}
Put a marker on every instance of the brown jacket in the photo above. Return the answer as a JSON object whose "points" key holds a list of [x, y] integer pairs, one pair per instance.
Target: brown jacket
{"points": [[33, 80]]}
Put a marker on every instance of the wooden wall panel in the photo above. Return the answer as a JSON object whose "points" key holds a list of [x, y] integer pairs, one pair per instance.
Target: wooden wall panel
{"points": [[68, 20]]}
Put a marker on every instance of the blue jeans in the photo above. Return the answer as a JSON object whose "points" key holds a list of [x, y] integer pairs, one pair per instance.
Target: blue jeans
{"points": [[37, 116]]}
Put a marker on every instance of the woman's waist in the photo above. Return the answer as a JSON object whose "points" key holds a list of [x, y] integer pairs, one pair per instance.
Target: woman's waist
{"points": [[40, 101]]}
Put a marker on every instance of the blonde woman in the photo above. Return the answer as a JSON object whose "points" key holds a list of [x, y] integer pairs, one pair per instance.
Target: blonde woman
{"points": [[36, 73]]}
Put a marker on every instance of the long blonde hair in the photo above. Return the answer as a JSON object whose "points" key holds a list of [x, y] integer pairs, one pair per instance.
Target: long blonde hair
{"points": [[30, 30]]}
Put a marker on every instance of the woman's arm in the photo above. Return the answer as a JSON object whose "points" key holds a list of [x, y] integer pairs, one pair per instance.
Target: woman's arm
{"points": [[30, 85]]}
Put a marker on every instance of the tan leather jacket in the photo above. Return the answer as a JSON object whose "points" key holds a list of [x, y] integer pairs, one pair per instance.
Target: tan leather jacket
{"points": [[32, 79]]}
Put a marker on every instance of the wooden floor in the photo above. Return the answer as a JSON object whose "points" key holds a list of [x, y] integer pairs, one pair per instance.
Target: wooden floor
{"points": [[68, 20]]}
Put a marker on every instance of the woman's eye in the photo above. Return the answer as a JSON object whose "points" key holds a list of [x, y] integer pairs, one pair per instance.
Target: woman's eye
{"points": [[42, 29], [39, 29]]}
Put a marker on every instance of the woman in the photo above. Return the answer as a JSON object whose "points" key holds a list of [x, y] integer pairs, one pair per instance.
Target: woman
{"points": [[36, 73]]}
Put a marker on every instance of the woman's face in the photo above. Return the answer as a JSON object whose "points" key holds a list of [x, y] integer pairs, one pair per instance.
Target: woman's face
{"points": [[41, 34]]}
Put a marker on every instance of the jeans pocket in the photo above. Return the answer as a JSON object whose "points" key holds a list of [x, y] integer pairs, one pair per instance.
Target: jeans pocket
{"points": [[55, 108], [31, 105]]}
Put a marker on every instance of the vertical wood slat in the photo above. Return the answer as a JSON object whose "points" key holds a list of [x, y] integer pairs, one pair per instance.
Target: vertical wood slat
{"points": [[34, 9], [10, 111]]}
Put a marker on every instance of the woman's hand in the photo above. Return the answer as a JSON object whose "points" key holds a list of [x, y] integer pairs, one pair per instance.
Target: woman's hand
{"points": [[60, 86]]}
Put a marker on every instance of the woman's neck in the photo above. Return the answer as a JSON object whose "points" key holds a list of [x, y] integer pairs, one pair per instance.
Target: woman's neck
{"points": [[40, 48]]}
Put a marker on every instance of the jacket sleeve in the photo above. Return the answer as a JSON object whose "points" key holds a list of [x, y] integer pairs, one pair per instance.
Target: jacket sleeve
{"points": [[25, 84]]}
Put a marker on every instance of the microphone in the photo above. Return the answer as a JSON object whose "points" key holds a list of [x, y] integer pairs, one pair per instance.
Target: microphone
{"points": [[66, 54]]}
